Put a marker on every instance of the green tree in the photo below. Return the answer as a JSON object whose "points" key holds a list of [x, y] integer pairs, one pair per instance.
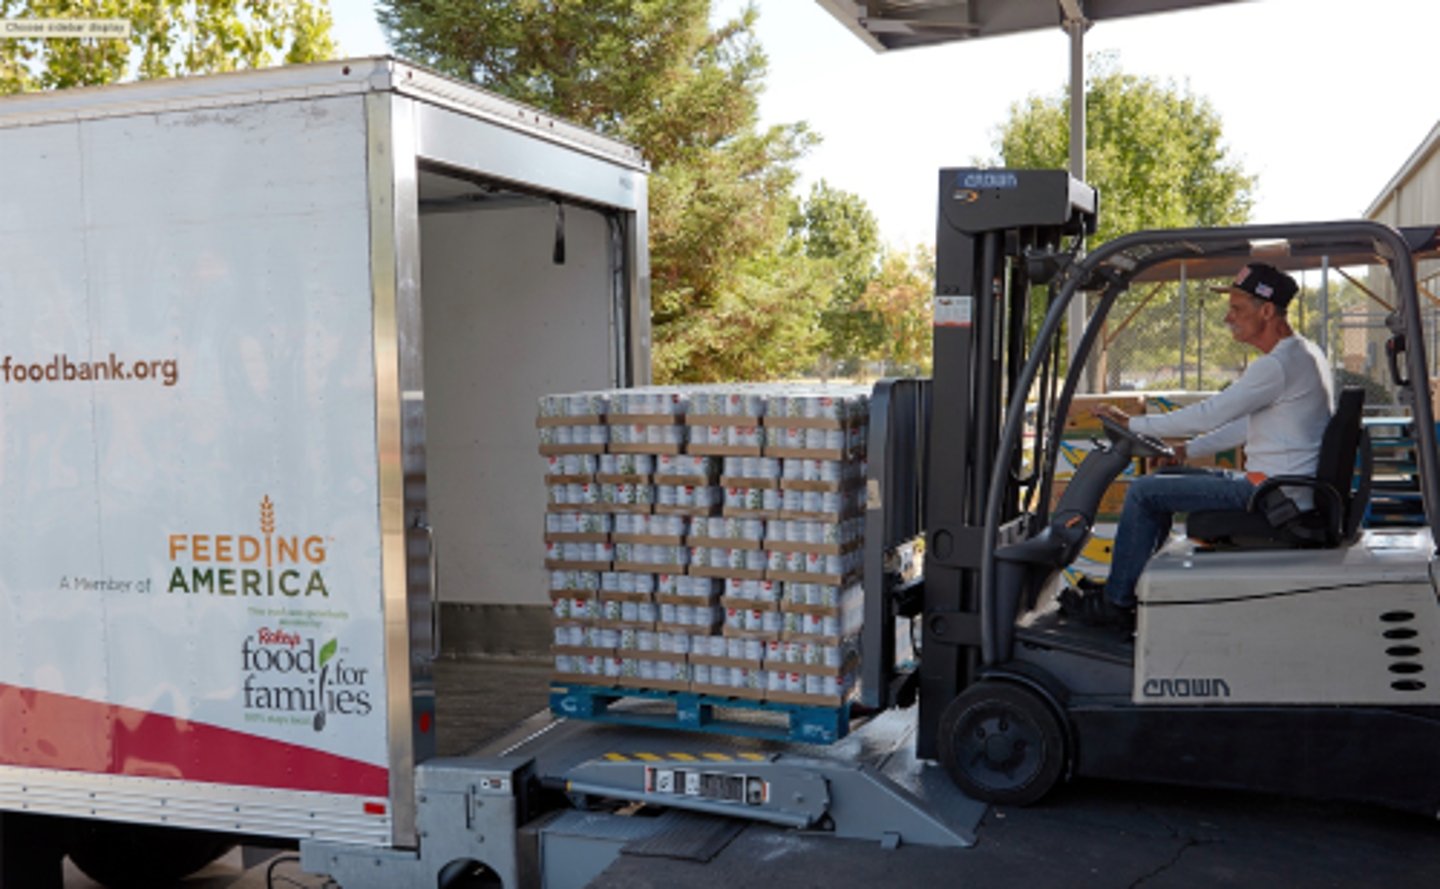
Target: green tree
{"points": [[901, 298], [838, 232], [731, 295], [1154, 150], [169, 38], [1156, 154]]}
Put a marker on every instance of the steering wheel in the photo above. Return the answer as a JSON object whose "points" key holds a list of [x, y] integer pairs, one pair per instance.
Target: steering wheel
{"points": [[1141, 445]]}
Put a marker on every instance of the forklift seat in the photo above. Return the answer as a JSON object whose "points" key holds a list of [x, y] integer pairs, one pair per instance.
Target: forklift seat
{"points": [[1272, 520]]}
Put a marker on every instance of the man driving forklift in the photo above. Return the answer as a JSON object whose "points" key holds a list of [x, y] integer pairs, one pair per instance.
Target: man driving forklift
{"points": [[1277, 409]]}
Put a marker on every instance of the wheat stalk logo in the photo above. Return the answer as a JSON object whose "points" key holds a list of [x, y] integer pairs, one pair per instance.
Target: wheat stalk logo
{"points": [[267, 526]]}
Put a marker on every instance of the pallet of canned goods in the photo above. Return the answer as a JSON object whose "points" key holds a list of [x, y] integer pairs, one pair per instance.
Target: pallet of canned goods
{"points": [[711, 545]]}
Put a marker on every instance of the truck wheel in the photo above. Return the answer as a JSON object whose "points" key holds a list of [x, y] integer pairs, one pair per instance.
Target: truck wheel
{"points": [[140, 856], [1002, 743], [468, 874]]}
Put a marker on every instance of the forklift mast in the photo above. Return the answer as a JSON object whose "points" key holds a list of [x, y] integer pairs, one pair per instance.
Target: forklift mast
{"points": [[999, 233]]}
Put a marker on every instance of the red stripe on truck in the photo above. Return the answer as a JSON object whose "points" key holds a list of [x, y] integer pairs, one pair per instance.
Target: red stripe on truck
{"points": [[53, 731]]}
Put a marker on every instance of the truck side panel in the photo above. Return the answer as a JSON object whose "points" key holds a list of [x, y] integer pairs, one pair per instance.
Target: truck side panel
{"points": [[189, 560]]}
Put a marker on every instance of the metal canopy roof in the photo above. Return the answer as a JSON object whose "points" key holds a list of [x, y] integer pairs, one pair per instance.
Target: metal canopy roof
{"points": [[1293, 253], [901, 24]]}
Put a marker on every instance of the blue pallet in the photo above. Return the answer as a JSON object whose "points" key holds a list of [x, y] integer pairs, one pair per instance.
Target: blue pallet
{"points": [[696, 712]]}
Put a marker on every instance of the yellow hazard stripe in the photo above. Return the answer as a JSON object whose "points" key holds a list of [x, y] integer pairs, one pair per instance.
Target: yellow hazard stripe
{"points": [[683, 757]]}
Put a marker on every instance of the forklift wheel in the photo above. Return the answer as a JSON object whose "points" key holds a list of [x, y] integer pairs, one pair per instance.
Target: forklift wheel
{"points": [[1001, 743]]}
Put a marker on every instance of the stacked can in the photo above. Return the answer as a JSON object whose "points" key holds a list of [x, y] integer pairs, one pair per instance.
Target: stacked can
{"points": [[578, 532], [712, 543], [814, 543], [634, 499], [724, 424]]}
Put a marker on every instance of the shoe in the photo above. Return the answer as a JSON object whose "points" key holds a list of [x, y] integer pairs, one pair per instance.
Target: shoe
{"points": [[1099, 611], [1072, 600]]}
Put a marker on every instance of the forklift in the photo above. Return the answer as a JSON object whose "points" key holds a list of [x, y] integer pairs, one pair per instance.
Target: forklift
{"points": [[1289, 652], [1275, 649]]}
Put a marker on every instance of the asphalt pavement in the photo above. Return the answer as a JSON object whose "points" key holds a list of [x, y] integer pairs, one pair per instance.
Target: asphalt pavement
{"points": [[1094, 835]]}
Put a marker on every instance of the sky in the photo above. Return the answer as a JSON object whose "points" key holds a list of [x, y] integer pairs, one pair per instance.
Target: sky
{"points": [[1323, 100]]}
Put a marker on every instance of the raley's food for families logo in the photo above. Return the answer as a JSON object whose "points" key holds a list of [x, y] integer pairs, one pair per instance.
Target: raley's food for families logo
{"points": [[288, 679], [266, 565]]}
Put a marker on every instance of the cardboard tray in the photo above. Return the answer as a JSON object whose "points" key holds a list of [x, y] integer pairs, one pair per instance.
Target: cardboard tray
{"points": [[712, 661], [814, 453], [761, 635], [637, 654], [646, 419], [687, 629], [737, 573], [653, 539], [748, 604], [723, 420], [635, 449], [735, 512], [723, 542], [804, 577], [646, 625], [740, 481], [787, 422], [649, 568], [714, 450], [689, 481], [833, 486], [693, 511], [622, 596], [823, 549]]}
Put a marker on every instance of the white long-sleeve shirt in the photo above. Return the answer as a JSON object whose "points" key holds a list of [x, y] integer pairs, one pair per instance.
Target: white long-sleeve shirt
{"points": [[1278, 410]]}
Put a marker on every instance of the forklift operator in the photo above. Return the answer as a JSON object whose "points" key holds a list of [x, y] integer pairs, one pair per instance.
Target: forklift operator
{"points": [[1278, 410]]}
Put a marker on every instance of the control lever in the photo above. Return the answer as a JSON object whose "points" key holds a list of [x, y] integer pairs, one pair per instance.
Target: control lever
{"points": [[1394, 348]]}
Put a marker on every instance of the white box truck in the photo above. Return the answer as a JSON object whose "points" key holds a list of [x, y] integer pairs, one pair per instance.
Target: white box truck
{"points": [[270, 349]]}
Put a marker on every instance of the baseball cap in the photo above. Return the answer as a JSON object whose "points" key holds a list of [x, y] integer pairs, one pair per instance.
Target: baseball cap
{"points": [[1263, 281]]}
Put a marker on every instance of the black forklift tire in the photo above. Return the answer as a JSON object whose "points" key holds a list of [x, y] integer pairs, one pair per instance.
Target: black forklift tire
{"points": [[1002, 743], [141, 856]]}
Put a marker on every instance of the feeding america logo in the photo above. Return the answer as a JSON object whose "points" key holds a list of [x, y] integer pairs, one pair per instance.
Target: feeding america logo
{"points": [[267, 564]]}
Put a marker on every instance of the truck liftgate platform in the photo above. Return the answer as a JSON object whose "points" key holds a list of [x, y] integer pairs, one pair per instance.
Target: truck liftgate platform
{"points": [[480, 809]]}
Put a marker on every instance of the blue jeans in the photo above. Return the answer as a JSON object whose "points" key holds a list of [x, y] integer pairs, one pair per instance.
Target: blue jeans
{"points": [[1150, 507]]}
